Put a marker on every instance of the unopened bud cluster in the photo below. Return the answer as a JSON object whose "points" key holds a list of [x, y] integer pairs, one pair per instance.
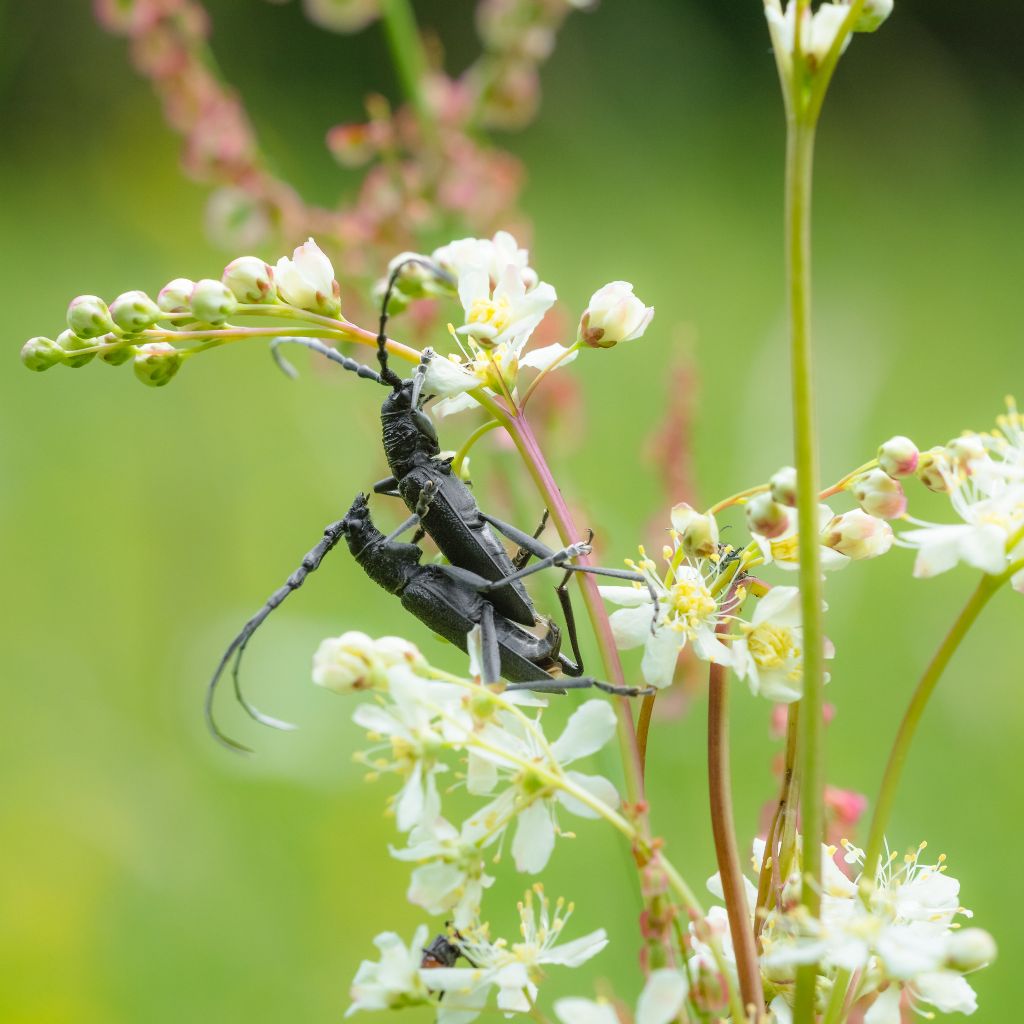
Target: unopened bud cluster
{"points": [[128, 329]]}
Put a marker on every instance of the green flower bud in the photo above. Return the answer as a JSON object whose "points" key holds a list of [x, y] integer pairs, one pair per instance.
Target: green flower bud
{"points": [[250, 279], [134, 312], [783, 486], [116, 356], [175, 295], [89, 317], [41, 353], [212, 301], [156, 363], [70, 342], [872, 14]]}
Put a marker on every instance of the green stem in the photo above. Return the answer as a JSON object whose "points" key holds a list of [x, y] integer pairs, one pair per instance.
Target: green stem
{"points": [[912, 717], [799, 166], [460, 455], [407, 51], [834, 1010]]}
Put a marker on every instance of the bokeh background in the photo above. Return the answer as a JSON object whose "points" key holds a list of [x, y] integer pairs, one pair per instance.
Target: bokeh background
{"points": [[147, 875]]}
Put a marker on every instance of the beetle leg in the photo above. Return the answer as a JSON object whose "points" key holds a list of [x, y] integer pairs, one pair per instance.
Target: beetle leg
{"points": [[490, 651], [522, 556], [556, 558], [581, 683], [312, 560], [565, 600], [526, 542], [423, 503]]}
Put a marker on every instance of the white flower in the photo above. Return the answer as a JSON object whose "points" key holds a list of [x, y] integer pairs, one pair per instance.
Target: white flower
{"points": [[769, 651], [493, 255], [857, 535], [451, 875], [516, 969], [408, 719], [307, 279], [502, 312], [984, 477], [818, 31], [660, 1002], [355, 661], [520, 753], [687, 612], [396, 980], [614, 314], [783, 550]]}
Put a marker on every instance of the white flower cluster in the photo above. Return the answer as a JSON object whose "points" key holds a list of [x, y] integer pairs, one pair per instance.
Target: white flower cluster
{"points": [[422, 721], [503, 301], [895, 933], [983, 474]]}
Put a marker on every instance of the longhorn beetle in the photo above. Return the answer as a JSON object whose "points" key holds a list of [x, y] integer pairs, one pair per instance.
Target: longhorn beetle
{"points": [[442, 506]]}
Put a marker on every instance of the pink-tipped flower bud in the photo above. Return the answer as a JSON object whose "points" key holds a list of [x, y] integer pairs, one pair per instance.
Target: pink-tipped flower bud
{"points": [[156, 363], [783, 486], [89, 317], [766, 517], [880, 495], [40, 354], [858, 535], [307, 280], [174, 297], [134, 312], [898, 456], [250, 280], [935, 471], [212, 302], [70, 343], [614, 314], [970, 949]]}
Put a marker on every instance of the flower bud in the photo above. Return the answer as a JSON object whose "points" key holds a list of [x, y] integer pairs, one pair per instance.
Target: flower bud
{"points": [[307, 280], [175, 295], [969, 949], [355, 661], [117, 355], [89, 317], [41, 353], [898, 456], [879, 495], [212, 301], [134, 311], [783, 486], [250, 280], [934, 470], [967, 449], [69, 342], [858, 535], [872, 14], [156, 363], [614, 314], [700, 538], [765, 516]]}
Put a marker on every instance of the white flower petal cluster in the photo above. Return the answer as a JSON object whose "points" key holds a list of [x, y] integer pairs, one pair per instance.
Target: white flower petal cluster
{"points": [[902, 937], [515, 752], [818, 29], [660, 1002], [514, 969], [395, 980], [983, 475], [688, 612]]}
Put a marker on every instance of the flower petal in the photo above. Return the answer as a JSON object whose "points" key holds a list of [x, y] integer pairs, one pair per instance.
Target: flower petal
{"points": [[534, 839], [662, 997], [589, 728], [661, 652]]}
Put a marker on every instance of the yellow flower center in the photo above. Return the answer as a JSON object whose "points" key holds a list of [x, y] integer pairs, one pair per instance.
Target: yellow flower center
{"points": [[785, 550], [774, 647], [496, 313], [690, 604]]}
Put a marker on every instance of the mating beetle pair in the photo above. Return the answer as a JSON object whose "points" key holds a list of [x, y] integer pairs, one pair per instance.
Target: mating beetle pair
{"points": [[480, 587]]}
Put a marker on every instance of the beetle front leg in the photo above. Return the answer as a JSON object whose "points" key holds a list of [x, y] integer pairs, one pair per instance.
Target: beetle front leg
{"points": [[387, 486], [552, 685]]}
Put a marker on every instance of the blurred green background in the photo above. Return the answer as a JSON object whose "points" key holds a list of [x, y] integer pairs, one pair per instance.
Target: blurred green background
{"points": [[147, 875]]}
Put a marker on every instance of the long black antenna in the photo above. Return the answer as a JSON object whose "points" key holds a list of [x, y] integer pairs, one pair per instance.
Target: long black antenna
{"points": [[325, 350], [388, 375]]}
